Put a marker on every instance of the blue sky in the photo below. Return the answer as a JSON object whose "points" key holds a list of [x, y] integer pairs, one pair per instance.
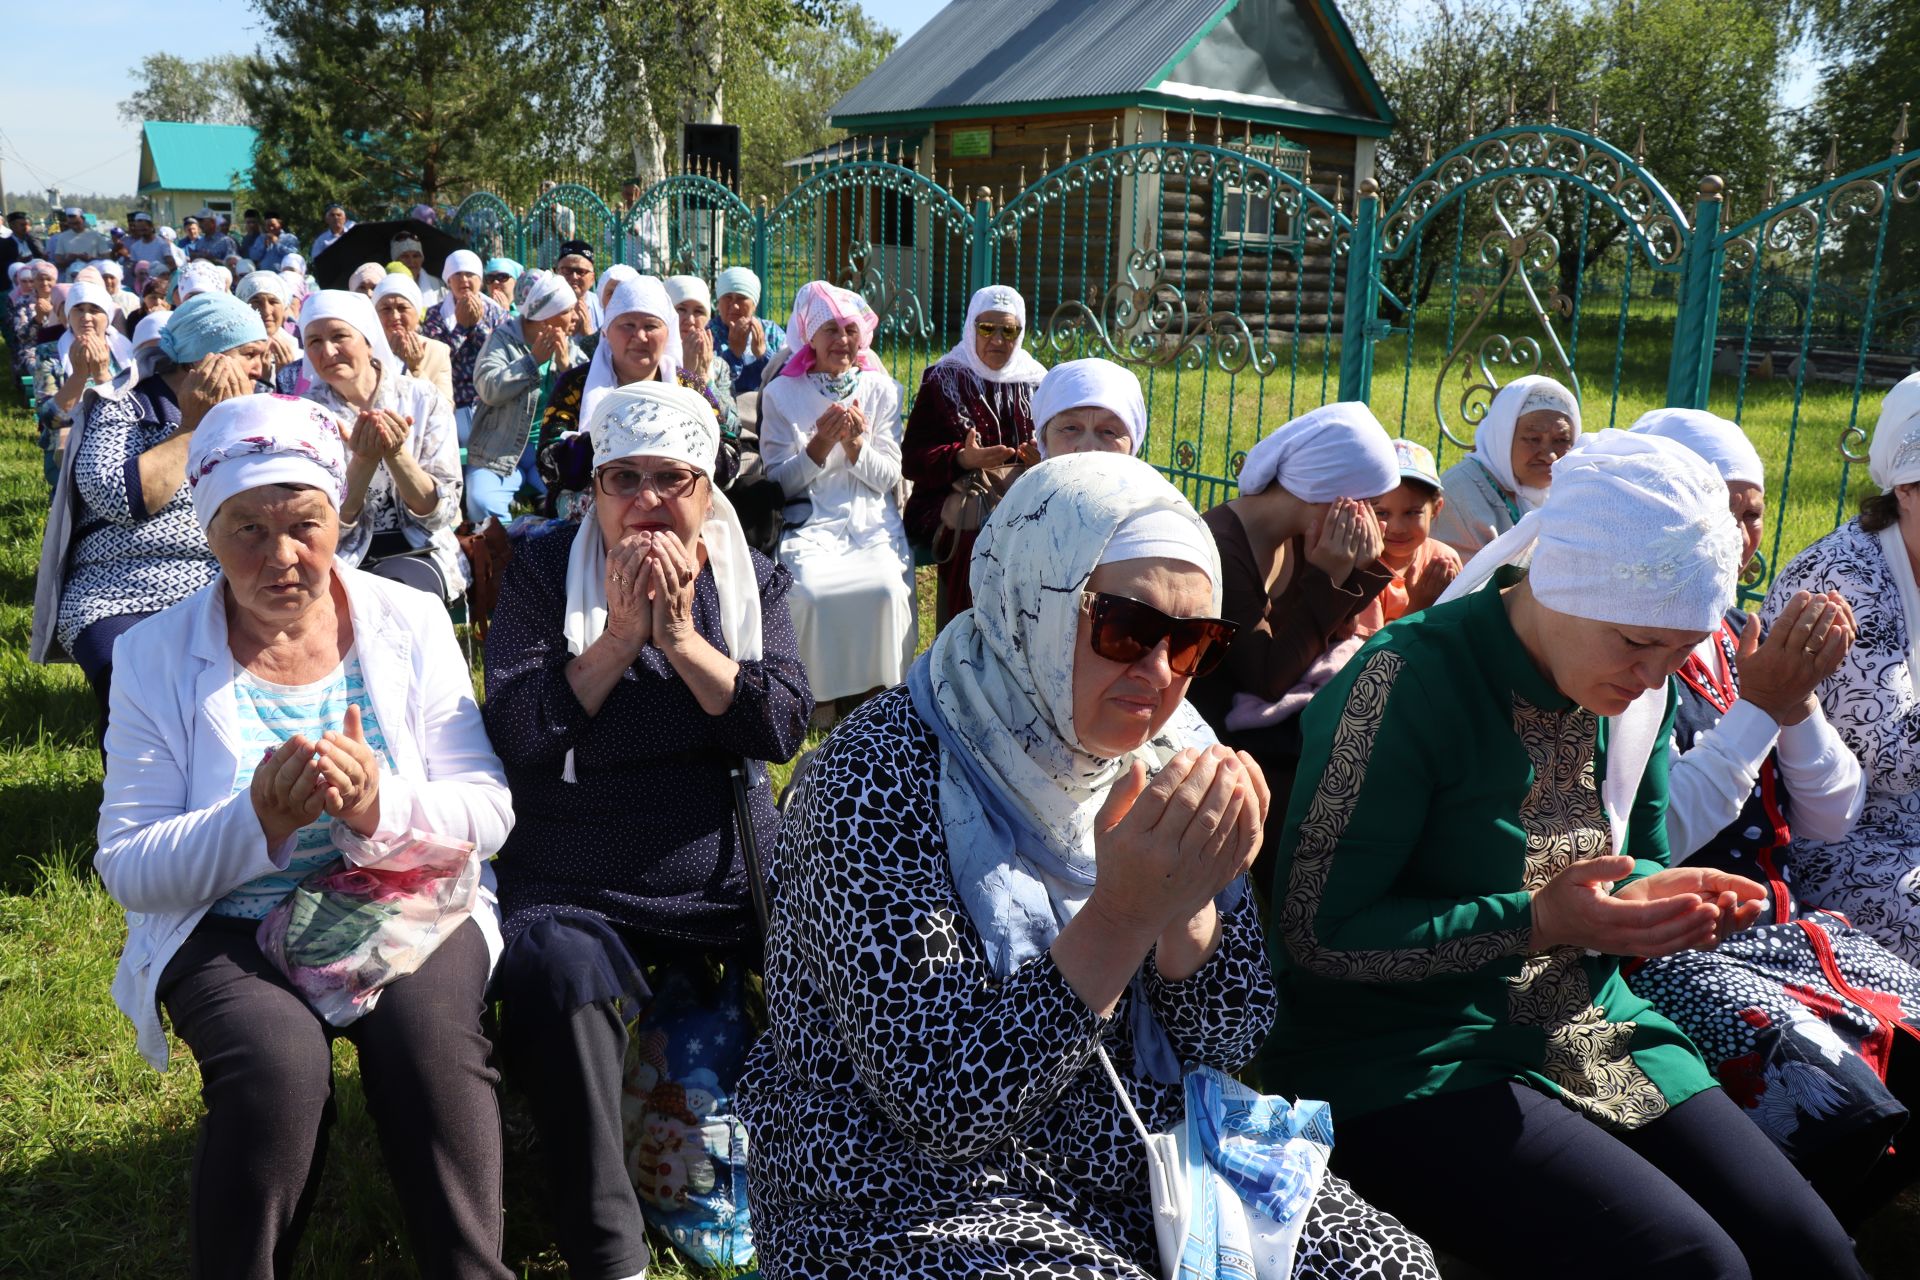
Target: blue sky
{"points": [[58, 122]]}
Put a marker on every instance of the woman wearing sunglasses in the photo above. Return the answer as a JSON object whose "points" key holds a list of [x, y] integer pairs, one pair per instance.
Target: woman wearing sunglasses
{"points": [[969, 436], [1029, 850], [1477, 846], [1299, 555], [635, 655]]}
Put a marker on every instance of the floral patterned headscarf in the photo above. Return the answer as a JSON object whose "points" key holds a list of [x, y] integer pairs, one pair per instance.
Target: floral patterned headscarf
{"points": [[256, 440]]}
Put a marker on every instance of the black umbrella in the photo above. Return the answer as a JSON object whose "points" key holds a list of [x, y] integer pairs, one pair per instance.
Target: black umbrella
{"points": [[373, 242]]}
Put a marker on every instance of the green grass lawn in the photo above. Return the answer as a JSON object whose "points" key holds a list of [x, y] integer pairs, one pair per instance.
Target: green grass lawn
{"points": [[95, 1147]]}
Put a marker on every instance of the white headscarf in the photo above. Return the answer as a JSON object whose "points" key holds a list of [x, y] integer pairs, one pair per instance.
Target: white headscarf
{"points": [[740, 280], [1336, 451], [1090, 383], [689, 289], [1018, 790], [368, 272], [1493, 442], [355, 309], [610, 279], [548, 297], [262, 282], [255, 440], [1714, 438], [201, 277], [1894, 456], [459, 260], [662, 420], [648, 296], [88, 294], [1636, 532], [965, 354], [399, 282]]}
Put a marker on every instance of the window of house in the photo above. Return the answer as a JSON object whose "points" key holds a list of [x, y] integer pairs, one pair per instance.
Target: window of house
{"points": [[1244, 215]]}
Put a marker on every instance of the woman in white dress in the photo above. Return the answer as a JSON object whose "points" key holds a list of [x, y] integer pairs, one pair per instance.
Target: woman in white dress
{"points": [[830, 435]]}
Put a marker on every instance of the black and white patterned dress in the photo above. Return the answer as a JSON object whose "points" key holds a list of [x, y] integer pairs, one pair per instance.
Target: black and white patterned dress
{"points": [[1873, 876], [912, 1116]]}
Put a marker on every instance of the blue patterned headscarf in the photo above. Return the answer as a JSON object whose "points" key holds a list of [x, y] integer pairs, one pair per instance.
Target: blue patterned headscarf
{"points": [[1018, 790], [206, 323]]}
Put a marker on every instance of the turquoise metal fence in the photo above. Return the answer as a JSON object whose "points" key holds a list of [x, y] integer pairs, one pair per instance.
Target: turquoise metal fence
{"points": [[1243, 294]]}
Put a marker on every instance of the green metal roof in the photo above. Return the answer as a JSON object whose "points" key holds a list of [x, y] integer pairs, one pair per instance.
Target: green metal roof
{"points": [[194, 157]]}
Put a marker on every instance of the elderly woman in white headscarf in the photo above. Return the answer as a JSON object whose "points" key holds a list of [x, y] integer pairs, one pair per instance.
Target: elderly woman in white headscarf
{"points": [[292, 715], [1089, 406], [463, 320], [830, 436], [1532, 423], [638, 341], [1756, 765], [121, 541], [635, 657], [403, 492], [396, 300], [1873, 698], [523, 359], [1019, 810], [1475, 847], [969, 436], [745, 341]]}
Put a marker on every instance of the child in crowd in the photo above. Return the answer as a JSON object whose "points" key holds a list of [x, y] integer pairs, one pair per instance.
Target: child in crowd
{"points": [[1422, 565]]}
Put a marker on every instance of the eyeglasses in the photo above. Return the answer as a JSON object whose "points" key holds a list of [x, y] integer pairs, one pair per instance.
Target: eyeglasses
{"points": [[624, 482], [1010, 332], [1126, 630]]}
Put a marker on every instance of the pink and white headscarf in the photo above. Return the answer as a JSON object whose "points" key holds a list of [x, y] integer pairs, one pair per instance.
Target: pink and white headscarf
{"points": [[820, 303], [256, 440]]}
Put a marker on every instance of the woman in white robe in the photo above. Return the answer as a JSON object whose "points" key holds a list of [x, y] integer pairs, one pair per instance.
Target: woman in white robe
{"points": [[830, 435]]}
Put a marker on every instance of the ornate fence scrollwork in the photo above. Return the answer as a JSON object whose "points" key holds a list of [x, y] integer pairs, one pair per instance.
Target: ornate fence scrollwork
{"points": [[488, 226], [688, 224]]}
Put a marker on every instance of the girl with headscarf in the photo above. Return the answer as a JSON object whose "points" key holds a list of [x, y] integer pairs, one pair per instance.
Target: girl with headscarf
{"points": [[1870, 874], [1475, 848], [1532, 423], [742, 339], [514, 378], [403, 493], [635, 656], [830, 437], [972, 424], [1089, 406], [638, 341], [121, 541], [396, 300], [292, 713], [463, 321], [973, 897], [1806, 1020], [1300, 565]]}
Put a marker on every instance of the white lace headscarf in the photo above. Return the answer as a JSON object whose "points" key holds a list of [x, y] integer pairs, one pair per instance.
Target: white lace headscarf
{"points": [[648, 296], [1493, 442]]}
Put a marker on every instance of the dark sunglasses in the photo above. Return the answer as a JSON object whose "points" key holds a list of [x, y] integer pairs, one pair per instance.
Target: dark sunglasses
{"points": [[1126, 630], [1009, 332]]}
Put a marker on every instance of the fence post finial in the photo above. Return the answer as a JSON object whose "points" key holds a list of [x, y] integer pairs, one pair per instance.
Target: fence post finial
{"points": [[1513, 105], [1640, 144], [1368, 189], [1139, 127], [1218, 124], [1766, 201], [1832, 164], [1069, 158], [1113, 133], [984, 194], [1193, 126], [1594, 126], [1900, 130], [1426, 151], [1249, 138], [1023, 175], [1092, 146], [1472, 126], [1340, 190], [1553, 104], [1713, 187]]}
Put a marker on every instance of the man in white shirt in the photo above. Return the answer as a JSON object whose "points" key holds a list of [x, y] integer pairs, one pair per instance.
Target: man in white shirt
{"points": [[79, 242], [338, 225], [143, 245]]}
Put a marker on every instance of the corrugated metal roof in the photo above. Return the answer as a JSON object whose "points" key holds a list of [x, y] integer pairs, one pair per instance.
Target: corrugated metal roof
{"points": [[984, 52], [199, 157]]}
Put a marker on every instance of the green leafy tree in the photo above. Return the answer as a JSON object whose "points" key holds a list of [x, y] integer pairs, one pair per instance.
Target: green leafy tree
{"points": [[203, 91], [780, 98]]}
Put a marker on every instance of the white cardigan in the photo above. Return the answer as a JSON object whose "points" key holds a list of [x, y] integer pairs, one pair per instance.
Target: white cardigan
{"points": [[175, 837]]}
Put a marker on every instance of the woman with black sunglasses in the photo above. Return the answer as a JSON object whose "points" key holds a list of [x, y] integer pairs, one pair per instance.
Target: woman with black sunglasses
{"points": [[636, 655], [1030, 850]]}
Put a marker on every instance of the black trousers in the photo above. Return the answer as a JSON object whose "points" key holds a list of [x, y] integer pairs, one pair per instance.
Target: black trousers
{"points": [[1520, 1184], [267, 1080], [570, 1062]]}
